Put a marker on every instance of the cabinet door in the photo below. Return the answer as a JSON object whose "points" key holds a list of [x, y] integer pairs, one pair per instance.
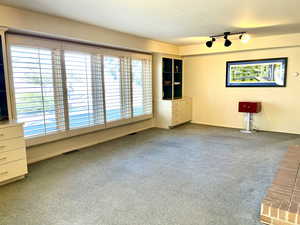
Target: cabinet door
{"points": [[188, 109], [175, 113], [179, 111]]}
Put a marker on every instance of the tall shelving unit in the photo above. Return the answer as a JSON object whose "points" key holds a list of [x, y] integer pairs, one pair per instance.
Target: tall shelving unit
{"points": [[177, 79], [3, 81], [171, 106], [172, 78]]}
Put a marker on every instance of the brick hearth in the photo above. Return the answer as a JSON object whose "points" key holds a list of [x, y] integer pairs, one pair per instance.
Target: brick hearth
{"points": [[281, 206]]}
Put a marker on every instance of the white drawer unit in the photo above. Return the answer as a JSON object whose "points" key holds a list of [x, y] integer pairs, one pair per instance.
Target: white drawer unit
{"points": [[13, 163], [10, 132], [11, 156], [12, 170], [11, 144]]}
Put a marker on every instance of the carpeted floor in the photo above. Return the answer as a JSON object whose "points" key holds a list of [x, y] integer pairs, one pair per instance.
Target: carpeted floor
{"points": [[191, 175]]}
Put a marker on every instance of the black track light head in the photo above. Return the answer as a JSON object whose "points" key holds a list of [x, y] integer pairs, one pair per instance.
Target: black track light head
{"points": [[210, 43], [227, 42], [226, 34]]}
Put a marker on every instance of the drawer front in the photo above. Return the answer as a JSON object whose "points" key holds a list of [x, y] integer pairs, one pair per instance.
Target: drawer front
{"points": [[10, 156], [11, 132], [12, 170], [12, 144]]}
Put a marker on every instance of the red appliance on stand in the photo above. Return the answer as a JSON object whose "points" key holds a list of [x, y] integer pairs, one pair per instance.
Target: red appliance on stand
{"points": [[249, 108]]}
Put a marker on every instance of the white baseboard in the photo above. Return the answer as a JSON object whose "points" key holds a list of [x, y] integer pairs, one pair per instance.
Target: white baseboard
{"points": [[215, 125]]}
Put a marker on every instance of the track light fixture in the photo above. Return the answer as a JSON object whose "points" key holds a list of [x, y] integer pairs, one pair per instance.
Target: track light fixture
{"points": [[245, 38], [210, 43], [242, 36], [227, 42]]}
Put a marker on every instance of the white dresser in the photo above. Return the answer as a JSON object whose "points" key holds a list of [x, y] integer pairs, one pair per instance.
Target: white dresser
{"points": [[13, 163]]}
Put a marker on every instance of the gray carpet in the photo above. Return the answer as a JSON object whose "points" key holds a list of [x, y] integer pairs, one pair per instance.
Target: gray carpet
{"points": [[192, 174]]}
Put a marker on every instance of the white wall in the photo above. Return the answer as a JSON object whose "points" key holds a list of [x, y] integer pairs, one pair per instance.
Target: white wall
{"points": [[214, 104]]}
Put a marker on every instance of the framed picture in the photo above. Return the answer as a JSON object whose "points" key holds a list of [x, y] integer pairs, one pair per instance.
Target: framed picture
{"points": [[257, 73]]}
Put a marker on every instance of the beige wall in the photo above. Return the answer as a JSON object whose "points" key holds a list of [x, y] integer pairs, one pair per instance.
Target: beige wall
{"points": [[214, 104], [32, 22], [45, 151]]}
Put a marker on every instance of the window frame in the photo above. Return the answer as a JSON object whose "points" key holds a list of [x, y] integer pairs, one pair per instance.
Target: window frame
{"points": [[29, 41]]}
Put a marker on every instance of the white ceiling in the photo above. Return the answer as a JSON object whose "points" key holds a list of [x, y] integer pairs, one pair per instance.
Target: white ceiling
{"points": [[176, 21]]}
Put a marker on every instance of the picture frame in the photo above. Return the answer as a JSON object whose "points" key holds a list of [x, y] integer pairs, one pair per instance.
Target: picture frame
{"points": [[270, 72]]}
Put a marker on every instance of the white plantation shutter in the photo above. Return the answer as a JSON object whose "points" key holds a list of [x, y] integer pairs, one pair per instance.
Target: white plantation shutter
{"points": [[58, 89], [71, 89], [38, 89], [147, 87], [141, 87], [98, 89], [113, 85], [84, 89], [126, 87]]}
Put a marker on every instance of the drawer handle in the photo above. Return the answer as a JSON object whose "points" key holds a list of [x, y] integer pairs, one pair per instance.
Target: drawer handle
{"points": [[1, 147], [4, 158], [3, 173]]}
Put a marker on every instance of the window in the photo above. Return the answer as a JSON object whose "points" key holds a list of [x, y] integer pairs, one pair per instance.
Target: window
{"points": [[37, 90], [112, 82], [84, 89], [141, 87], [137, 87], [77, 89]]}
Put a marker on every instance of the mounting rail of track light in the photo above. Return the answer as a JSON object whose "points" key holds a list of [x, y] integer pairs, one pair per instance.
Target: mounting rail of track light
{"points": [[243, 36]]}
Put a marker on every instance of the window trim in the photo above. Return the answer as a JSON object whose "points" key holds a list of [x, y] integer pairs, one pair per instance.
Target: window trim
{"points": [[13, 39]]}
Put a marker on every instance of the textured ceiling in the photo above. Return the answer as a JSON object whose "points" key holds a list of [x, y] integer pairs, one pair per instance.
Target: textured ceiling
{"points": [[176, 21]]}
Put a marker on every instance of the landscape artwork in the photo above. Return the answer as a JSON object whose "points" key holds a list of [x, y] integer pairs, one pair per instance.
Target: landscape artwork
{"points": [[257, 73]]}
